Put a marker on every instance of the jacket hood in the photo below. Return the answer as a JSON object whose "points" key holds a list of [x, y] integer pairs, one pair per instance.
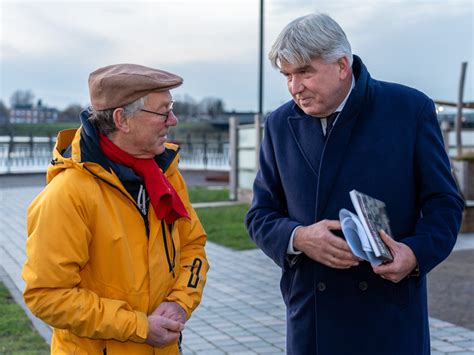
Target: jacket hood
{"points": [[79, 149]]}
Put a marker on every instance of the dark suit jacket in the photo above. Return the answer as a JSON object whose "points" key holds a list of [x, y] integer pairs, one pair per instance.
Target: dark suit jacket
{"points": [[385, 143]]}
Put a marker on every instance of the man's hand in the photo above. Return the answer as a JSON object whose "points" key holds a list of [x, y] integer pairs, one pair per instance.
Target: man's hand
{"points": [[404, 260], [318, 243], [162, 331], [171, 310]]}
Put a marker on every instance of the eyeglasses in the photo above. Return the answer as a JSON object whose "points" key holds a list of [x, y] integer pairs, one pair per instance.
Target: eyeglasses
{"points": [[167, 114]]}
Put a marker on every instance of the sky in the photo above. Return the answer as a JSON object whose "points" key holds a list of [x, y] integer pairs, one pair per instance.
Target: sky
{"points": [[50, 47]]}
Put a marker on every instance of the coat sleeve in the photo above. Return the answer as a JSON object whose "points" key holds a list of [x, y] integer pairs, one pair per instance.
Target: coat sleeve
{"points": [[57, 249], [441, 204], [188, 288], [267, 221]]}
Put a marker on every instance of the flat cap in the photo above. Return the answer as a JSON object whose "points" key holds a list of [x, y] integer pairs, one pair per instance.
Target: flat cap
{"points": [[120, 84]]}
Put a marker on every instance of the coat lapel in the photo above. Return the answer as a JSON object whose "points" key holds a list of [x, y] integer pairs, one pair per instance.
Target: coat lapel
{"points": [[338, 141], [308, 138], [332, 158]]}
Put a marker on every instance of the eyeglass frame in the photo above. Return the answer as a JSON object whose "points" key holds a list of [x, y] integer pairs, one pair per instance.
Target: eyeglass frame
{"points": [[167, 115]]}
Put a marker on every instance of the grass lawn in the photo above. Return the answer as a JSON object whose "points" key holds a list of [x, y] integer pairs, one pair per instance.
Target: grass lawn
{"points": [[225, 226], [204, 194], [37, 130], [17, 335]]}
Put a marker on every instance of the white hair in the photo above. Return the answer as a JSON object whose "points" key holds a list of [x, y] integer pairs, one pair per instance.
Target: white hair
{"points": [[315, 36], [103, 120]]}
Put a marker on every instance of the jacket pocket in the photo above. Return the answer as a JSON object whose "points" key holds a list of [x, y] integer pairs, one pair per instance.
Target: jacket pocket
{"points": [[287, 280]]}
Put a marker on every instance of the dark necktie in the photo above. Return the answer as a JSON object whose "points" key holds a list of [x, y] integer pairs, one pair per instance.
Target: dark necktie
{"points": [[330, 122]]}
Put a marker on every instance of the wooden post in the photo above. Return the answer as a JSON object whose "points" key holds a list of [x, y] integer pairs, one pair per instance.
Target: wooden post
{"points": [[445, 128], [204, 147], [458, 122], [190, 143], [31, 145], [234, 158], [11, 144], [51, 143]]}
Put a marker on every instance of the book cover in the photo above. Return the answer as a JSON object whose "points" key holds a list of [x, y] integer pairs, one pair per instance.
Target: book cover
{"points": [[373, 217]]}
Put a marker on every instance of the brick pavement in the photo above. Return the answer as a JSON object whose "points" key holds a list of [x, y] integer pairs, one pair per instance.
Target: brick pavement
{"points": [[242, 311]]}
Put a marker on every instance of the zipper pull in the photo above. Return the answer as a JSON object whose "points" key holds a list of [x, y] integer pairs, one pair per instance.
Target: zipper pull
{"points": [[141, 200]]}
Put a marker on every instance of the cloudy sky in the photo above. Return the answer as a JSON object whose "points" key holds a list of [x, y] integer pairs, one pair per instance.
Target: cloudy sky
{"points": [[50, 47]]}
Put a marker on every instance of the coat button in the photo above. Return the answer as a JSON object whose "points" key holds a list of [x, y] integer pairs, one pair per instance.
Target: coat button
{"points": [[363, 286], [321, 286]]}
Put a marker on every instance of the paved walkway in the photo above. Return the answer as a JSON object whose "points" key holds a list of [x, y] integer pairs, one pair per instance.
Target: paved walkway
{"points": [[242, 311]]}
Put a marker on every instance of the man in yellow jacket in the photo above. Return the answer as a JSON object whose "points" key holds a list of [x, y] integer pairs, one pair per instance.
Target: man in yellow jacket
{"points": [[116, 261]]}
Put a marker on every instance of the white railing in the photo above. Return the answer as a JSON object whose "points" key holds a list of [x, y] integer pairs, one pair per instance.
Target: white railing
{"points": [[33, 155]]}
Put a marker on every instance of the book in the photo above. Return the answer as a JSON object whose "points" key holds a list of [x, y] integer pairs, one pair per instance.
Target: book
{"points": [[361, 230], [373, 217]]}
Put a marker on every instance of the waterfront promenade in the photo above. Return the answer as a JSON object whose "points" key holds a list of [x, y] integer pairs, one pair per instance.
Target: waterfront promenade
{"points": [[242, 311]]}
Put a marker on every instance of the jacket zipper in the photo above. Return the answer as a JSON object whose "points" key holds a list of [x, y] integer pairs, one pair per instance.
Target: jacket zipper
{"points": [[171, 263]]}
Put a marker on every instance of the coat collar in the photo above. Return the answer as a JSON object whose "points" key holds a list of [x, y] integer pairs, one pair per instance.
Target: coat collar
{"points": [[308, 136]]}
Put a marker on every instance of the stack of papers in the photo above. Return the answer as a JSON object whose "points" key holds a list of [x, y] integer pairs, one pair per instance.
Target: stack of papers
{"points": [[356, 237]]}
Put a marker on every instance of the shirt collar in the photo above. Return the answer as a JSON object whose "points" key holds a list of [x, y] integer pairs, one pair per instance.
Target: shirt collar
{"points": [[343, 103]]}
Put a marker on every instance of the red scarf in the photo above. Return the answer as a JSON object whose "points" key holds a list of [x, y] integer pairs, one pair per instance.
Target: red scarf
{"points": [[164, 198]]}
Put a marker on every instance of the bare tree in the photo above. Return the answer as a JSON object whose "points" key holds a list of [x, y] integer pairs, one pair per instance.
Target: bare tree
{"points": [[70, 113], [22, 98], [185, 106], [211, 106], [4, 112]]}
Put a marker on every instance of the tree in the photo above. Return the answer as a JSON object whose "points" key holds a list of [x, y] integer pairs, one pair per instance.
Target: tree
{"points": [[70, 113], [22, 98], [185, 107], [4, 112], [211, 106]]}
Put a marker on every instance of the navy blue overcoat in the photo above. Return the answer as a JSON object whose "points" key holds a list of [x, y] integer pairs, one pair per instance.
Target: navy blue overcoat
{"points": [[385, 143]]}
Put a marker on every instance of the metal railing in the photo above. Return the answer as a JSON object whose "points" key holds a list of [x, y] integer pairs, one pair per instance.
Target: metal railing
{"points": [[33, 154]]}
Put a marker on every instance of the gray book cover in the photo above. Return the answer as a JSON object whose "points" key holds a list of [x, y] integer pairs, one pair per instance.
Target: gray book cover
{"points": [[373, 216]]}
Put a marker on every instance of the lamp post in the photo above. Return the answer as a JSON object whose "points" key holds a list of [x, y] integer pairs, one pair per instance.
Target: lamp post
{"points": [[260, 67], [259, 115]]}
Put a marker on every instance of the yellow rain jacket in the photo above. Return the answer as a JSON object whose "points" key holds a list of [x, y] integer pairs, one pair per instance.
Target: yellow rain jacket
{"points": [[96, 266]]}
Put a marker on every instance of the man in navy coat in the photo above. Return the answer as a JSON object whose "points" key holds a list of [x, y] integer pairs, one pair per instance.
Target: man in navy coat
{"points": [[344, 130]]}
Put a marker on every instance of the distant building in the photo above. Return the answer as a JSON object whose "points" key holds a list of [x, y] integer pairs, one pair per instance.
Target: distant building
{"points": [[33, 114]]}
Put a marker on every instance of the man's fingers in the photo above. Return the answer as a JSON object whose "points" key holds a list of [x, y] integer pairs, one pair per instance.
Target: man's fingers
{"points": [[339, 247], [341, 259], [341, 254], [340, 244], [386, 238], [332, 224], [171, 324], [339, 263], [385, 269]]}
